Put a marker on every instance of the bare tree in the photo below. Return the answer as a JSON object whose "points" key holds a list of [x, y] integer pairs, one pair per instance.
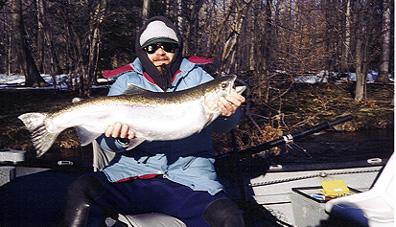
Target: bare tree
{"points": [[229, 50], [362, 11], [32, 75], [9, 53], [263, 50], [360, 74], [386, 32], [346, 50], [40, 34], [96, 19], [5, 41], [190, 13]]}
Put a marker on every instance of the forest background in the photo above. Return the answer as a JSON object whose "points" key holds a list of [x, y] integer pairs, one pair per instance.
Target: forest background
{"points": [[267, 43]]}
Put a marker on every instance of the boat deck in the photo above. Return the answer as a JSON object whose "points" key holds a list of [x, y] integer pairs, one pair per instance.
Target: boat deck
{"points": [[274, 190]]}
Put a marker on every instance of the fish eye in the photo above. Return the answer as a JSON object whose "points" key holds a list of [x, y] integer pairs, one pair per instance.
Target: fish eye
{"points": [[224, 85]]}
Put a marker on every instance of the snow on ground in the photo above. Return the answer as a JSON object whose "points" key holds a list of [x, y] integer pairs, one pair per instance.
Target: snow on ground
{"points": [[321, 77], [18, 81], [371, 76], [324, 76], [7, 80]]}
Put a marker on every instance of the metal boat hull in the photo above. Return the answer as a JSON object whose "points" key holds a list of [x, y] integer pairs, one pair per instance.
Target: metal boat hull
{"points": [[274, 191]]}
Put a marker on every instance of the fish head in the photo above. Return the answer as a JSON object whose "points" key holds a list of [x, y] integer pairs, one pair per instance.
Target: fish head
{"points": [[226, 85], [220, 88]]}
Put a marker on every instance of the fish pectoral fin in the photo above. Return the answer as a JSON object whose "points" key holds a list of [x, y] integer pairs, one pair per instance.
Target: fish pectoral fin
{"points": [[86, 136], [210, 118], [134, 143]]}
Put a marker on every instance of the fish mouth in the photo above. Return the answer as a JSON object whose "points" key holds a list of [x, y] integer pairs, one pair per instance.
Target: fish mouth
{"points": [[240, 89]]}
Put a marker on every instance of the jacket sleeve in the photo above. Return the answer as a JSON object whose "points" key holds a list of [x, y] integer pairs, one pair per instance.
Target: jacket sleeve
{"points": [[111, 144], [119, 86]]}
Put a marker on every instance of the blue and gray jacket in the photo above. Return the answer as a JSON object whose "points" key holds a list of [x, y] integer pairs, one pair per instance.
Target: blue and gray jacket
{"points": [[187, 161]]}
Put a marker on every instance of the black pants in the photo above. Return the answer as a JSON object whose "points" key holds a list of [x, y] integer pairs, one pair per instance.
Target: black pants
{"points": [[92, 198]]}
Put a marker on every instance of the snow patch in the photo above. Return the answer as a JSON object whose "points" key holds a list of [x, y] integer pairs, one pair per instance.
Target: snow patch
{"points": [[14, 81]]}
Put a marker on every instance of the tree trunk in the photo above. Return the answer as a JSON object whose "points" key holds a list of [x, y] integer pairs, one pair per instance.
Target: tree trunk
{"points": [[146, 9], [362, 22], [347, 41], [40, 34], [264, 53], [55, 67], [386, 32], [9, 48], [360, 77], [32, 75]]}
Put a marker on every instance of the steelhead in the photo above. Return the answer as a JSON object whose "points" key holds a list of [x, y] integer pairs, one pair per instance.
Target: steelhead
{"points": [[151, 115]]}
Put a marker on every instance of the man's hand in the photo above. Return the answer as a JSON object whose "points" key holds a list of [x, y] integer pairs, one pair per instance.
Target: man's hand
{"points": [[230, 103], [118, 130]]}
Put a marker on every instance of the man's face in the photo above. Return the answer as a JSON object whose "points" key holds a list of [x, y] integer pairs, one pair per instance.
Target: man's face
{"points": [[161, 53]]}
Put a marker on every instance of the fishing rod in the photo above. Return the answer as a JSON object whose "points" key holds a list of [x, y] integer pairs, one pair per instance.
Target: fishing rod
{"points": [[287, 139]]}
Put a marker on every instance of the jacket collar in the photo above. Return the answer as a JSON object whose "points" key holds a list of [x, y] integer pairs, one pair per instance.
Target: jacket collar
{"points": [[185, 67]]}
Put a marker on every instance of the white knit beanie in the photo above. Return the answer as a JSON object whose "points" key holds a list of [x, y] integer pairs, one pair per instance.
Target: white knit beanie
{"points": [[157, 31]]}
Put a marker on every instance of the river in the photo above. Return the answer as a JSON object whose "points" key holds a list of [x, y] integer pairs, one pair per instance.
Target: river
{"points": [[332, 147]]}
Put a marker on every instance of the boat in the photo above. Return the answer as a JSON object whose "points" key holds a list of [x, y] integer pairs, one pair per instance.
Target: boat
{"points": [[270, 195], [293, 195]]}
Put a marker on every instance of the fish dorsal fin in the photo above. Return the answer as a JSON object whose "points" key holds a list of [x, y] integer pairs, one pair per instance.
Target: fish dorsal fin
{"points": [[135, 90], [76, 99]]}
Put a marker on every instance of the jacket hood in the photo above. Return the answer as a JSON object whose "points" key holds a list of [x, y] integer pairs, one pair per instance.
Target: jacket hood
{"points": [[148, 35]]}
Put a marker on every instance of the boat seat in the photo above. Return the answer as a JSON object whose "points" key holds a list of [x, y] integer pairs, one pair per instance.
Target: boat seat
{"points": [[100, 159], [374, 208]]}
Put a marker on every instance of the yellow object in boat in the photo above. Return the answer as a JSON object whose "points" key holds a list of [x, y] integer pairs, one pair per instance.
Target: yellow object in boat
{"points": [[334, 188]]}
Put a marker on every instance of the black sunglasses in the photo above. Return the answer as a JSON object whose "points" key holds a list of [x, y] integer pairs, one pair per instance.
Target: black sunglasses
{"points": [[167, 47]]}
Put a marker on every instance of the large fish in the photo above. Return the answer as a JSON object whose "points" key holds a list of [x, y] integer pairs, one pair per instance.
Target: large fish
{"points": [[151, 115]]}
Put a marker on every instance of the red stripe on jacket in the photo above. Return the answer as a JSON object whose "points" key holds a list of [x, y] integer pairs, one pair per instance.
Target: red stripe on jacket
{"points": [[117, 71], [126, 68], [143, 177]]}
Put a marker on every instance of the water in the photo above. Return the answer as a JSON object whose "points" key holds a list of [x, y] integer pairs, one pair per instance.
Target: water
{"points": [[329, 147], [334, 147]]}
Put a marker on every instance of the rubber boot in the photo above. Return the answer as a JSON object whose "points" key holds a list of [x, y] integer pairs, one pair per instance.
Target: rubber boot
{"points": [[224, 213]]}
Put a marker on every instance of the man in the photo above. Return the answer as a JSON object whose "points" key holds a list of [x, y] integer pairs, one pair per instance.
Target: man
{"points": [[176, 178]]}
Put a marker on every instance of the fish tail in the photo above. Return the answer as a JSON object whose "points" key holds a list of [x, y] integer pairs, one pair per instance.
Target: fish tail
{"points": [[42, 139]]}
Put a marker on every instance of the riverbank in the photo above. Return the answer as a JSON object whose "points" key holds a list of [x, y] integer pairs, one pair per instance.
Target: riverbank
{"points": [[308, 104]]}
